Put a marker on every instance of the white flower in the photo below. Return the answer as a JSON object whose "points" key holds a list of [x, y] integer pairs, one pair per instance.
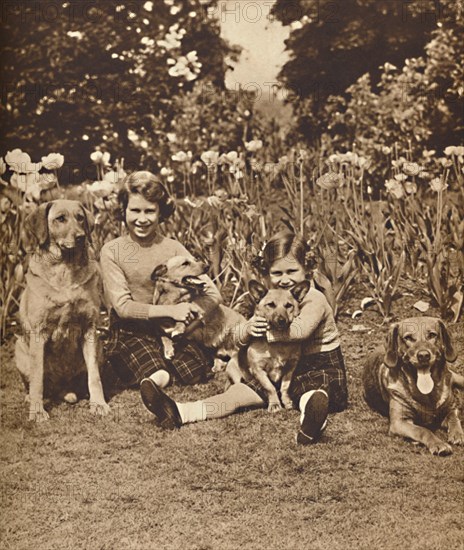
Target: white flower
{"points": [[101, 188], [181, 156], [454, 150], [254, 145], [192, 56], [210, 158], [438, 185], [296, 25], [148, 6], [411, 168], [232, 156], [132, 136], [28, 184], [169, 44], [98, 157], [114, 176], [395, 188], [331, 180], [147, 41], [75, 34], [20, 162], [410, 187], [46, 181], [53, 161], [172, 138]]}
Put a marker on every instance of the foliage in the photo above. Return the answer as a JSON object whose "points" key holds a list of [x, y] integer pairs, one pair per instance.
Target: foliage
{"points": [[332, 44], [30, 183], [113, 73], [418, 107], [416, 68], [416, 231]]}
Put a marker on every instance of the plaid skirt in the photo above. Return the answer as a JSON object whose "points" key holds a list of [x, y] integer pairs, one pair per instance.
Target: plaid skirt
{"points": [[134, 351], [320, 371]]}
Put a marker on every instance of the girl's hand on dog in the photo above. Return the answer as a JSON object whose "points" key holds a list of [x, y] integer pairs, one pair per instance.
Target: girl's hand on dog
{"points": [[186, 312], [256, 327]]}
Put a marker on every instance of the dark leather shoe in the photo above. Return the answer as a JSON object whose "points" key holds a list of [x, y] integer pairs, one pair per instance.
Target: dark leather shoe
{"points": [[315, 418], [159, 404]]}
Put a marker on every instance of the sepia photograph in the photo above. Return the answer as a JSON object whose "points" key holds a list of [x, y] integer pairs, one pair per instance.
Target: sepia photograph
{"points": [[232, 274]]}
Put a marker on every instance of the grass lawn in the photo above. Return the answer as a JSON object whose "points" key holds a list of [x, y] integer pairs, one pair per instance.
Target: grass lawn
{"points": [[238, 483]]}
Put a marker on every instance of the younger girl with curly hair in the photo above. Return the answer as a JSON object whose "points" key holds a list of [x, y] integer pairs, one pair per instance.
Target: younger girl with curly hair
{"points": [[319, 383]]}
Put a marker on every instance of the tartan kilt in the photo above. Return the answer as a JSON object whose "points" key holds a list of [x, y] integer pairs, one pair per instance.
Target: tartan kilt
{"points": [[134, 351], [325, 371]]}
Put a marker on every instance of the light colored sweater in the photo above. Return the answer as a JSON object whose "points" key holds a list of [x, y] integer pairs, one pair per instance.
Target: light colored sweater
{"points": [[126, 270]]}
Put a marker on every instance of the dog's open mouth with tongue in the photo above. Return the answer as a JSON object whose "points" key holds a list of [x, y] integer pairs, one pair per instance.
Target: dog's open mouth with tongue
{"points": [[424, 380]]}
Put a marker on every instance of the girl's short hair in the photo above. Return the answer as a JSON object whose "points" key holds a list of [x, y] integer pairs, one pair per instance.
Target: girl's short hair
{"points": [[280, 246], [147, 185]]}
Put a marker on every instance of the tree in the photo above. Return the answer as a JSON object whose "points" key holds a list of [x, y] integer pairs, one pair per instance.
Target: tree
{"points": [[334, 42], [417, 106], [79, 74]]}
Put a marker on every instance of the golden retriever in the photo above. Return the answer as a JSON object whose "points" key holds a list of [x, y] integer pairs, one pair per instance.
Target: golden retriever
{"points": [[59, 308]]}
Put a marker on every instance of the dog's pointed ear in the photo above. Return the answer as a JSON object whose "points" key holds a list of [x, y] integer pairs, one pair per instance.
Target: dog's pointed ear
{"points": [[450, 352], [257, 290], [89, 223], [159, 271], [391, 352], [36, 224], [300, 290]]}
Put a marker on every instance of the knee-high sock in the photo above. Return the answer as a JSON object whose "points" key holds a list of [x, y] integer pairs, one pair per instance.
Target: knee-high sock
{"points": [[224, 404], [161, 378]]}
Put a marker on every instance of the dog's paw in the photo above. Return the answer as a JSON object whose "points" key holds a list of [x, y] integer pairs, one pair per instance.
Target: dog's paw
{"points": [[456, 437], [286, 401], [38, 415], [169, 352], [219, 365], [100, 409], [274, 407], [440, 448]]}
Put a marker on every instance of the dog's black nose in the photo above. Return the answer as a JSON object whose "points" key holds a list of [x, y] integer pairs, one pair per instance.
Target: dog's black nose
{"points": [[423, 355], [281, 323]]}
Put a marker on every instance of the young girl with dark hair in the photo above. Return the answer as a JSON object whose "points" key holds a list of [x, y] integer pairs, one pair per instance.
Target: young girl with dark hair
{"points": [[134, 350], [319, 382]]}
